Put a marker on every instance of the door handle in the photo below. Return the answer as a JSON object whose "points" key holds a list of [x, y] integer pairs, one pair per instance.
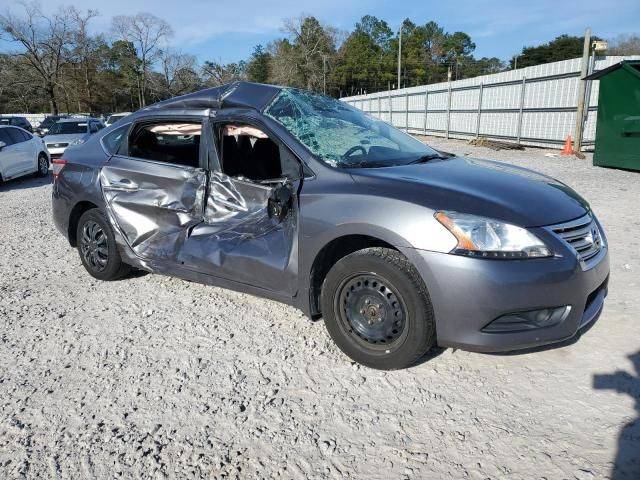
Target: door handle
{"points": [[123, 184]]}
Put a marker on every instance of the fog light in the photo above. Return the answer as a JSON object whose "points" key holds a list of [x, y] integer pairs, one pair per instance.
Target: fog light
{"points": [[529, 320]]}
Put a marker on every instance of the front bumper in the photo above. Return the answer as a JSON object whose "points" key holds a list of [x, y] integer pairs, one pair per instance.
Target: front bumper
{"points": [[469, 293], [56, 152]]}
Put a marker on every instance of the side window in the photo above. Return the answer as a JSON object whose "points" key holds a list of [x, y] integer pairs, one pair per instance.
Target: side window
{"points": [[15, 134], [248, 152], [4, 136], [26, 135], [173, 142], [112, 140]]}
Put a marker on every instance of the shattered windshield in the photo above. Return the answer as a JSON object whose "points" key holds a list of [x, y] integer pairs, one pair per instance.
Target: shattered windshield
{"points": [[342, 135]]}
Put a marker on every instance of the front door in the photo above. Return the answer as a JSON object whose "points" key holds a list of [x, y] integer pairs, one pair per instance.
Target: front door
{"points": [[250, 228], [154, 186]]}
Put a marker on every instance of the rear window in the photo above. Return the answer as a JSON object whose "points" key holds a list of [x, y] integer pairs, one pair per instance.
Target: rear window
{"points": [[177, 142], [16, 135], [64, 128]]}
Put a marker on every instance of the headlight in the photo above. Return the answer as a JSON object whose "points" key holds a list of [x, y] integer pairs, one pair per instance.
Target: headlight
{"points": [[488, 238], [77, 141]]}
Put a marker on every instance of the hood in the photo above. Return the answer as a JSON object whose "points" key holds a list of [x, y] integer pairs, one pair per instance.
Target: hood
{"points": [[480, 187], [63, 138]]}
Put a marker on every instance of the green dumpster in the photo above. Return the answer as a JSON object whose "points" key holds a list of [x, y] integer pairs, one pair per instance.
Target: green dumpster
{"points": [[618, 124]]}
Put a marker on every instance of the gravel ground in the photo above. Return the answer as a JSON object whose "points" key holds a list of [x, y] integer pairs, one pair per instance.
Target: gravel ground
{"points": [[152, 376]]}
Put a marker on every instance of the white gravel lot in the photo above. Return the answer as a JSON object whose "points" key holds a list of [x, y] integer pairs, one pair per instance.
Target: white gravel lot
{"points": [[153, 377]]}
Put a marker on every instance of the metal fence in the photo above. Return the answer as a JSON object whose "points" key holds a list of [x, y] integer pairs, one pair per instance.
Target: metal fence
{"points": [[34, 118], [533, 106]]}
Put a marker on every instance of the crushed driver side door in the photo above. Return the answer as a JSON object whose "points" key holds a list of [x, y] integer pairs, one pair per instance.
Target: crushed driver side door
{"points": [[249, 234]]}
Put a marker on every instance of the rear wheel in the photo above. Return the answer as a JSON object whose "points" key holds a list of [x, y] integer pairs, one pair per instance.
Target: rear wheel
{"points": [[43, 165], [97, 247], [377, 309]]}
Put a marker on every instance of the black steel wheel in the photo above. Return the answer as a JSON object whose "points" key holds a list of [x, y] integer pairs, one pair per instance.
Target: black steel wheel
{"points": [[43, 165], [370, 308], [377, 309], [97, 247]]}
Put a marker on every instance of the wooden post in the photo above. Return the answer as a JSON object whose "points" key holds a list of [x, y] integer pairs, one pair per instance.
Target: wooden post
{"points": [[582, 90]]}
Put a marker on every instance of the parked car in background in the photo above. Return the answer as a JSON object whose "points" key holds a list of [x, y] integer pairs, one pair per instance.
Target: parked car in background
{"points": [[47, 123], [304, 199], [21, 153], [114, 117], [21, 122], [69, 132]]}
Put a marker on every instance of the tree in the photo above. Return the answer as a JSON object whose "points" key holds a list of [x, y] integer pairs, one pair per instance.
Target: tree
{"points": [[258, 67], [307, 50], [45, 44], [83, 52], [145, 32], [628, 44], [216, 73], [365, 60], [563, 47], [177, 74]]}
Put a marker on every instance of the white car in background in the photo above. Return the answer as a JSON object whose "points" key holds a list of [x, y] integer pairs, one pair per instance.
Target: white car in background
{"points": [[21, 153], [70, 131], [115, 117]]}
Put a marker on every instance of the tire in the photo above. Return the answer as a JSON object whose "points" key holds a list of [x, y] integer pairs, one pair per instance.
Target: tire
{"points": [[377, 309], [43, 165], [97, 247]]}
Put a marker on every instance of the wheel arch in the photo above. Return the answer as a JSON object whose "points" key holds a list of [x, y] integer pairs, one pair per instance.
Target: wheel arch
{"points": [[332, 251], [76, 212]]}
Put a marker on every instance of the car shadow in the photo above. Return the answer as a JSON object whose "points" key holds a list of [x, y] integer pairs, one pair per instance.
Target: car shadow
{"points": [[627, 461], [430, 355], [28, 181]]}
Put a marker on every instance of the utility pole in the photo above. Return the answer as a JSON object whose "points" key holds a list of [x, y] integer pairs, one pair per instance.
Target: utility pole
{"points": [[400, 54], [324, 74], [515, 62], [582, 90]]}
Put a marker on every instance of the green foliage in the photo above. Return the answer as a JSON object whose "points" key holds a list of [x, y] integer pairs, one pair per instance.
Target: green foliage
{"points": [[563, 47], [258, 66]]}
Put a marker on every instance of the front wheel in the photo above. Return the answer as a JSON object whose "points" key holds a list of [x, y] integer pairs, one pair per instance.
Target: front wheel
{"points": [[43, 165], [97, 247], [377, 309]]}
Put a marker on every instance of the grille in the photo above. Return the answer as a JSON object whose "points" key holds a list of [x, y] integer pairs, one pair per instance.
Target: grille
{"points": [[57, 145], [583, 235]]}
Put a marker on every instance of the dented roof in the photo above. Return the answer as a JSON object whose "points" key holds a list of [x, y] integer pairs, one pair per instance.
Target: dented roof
{"points": [[231, 95]]}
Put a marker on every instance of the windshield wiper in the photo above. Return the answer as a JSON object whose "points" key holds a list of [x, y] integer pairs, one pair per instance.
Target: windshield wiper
{"points": [[431, 156]]}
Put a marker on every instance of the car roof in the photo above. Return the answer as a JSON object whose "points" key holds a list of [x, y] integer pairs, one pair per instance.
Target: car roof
{"points": [[79, 119], [231, 95]]}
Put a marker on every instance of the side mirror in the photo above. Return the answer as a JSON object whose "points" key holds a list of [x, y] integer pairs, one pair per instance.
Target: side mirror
{"points": [[2, 144]]}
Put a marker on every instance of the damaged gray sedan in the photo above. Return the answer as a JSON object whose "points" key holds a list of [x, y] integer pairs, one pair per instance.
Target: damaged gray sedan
{"points": [[302, 199]]}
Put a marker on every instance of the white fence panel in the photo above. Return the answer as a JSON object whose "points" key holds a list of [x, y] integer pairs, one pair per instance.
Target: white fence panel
{"points": [[533, 105]]}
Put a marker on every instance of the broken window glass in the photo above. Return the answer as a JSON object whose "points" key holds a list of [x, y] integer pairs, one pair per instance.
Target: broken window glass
{"points": [[342, 135]]}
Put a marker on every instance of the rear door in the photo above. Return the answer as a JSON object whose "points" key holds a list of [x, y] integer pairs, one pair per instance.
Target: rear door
{"points": [[250, 230], [9, 161], [154, 185], [21, 150]]}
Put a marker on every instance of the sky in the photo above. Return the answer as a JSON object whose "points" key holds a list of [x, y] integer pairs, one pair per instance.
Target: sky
{"points": [[227, 31]]}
